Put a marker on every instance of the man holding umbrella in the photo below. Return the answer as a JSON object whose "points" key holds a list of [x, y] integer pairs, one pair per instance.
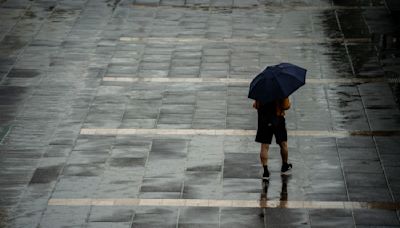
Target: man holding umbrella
{"points": [[270, 90]]}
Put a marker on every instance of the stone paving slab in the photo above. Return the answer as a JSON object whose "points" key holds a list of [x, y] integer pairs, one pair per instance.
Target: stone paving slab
{"points": [[184, 60]]}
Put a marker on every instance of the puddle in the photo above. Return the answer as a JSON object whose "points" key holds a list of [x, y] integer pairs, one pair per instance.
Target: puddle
{"points": [[45, 174]]}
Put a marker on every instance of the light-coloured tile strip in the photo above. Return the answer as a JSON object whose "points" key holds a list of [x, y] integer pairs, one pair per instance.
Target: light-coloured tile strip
{"points": [[238, 81], [188, 132], [226, 203], [228, 132], [257, 7], [242, 40]]}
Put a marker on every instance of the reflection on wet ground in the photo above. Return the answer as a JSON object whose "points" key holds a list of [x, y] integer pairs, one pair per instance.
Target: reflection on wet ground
{"points": [[283, 199]]}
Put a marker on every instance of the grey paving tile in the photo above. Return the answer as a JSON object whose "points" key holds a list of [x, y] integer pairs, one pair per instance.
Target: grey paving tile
{"points": [[55, 216], [133, 142], [202, 192], [76, 187], [370, 194], [356, 142], [202, 185], [118, 214], [144, 114], [214, 74], [162, 185], [327, 195], [375, 218], [109, 224], [241, 165], [156, 217], [33, 203], [357, 28], [127, 162], [94, 143], [387, 145], [287, 217], [362, 166], [331, 218], [177, 109], [169, 145], [328, 163], [390, 160], [209, 124], [88, 157], [369, 154], [395, 192], [365, 179], [204, 165], [83, 170], [130, 151], [57, 151], [198, 217], [235, 188], [179, 98], [369, 65], [160, 195], [175, 119], [28, 219], [203, 177], [242, 217]]}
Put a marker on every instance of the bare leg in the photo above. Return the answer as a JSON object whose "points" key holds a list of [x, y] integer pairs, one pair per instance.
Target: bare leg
{"points": [[284, 151], [264, 154]]}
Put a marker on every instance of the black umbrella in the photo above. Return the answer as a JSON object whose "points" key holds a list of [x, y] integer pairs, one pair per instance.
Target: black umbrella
{"points": [[277, 82]]}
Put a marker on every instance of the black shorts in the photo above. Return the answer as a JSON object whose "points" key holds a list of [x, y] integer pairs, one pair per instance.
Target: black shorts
{"points": [[265, 131]]}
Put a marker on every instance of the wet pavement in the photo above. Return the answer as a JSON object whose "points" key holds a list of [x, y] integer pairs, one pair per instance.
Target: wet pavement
{"points": [[134, 113]]}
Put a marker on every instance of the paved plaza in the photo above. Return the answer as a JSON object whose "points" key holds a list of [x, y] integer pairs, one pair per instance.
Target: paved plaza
{"points": [[134, 113]]}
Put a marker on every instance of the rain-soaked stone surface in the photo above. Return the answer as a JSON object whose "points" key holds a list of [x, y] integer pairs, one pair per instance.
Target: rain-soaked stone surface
{"points": [[55, 56]]}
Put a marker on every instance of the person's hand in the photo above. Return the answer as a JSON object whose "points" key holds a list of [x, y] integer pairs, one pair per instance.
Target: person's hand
{"points": [[285, 103]]}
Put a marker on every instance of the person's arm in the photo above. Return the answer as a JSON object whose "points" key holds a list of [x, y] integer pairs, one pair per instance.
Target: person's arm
{"points": [[285, 103], [256, 104]]}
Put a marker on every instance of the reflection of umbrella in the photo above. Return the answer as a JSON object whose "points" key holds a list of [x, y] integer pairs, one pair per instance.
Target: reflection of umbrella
{"points": [[277, 82]]}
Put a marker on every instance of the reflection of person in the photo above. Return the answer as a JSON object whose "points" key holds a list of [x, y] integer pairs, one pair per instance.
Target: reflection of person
{"points": [[271, 121], [263, 197], [283, 200], [284, 193]]}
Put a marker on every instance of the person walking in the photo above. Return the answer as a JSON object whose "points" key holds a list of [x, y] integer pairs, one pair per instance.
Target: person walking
{"points": [[270, 90], [271, 122]]}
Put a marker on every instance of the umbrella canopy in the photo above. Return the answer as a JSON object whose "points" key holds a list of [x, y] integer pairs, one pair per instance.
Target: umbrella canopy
{"points": [[277, 82]]}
